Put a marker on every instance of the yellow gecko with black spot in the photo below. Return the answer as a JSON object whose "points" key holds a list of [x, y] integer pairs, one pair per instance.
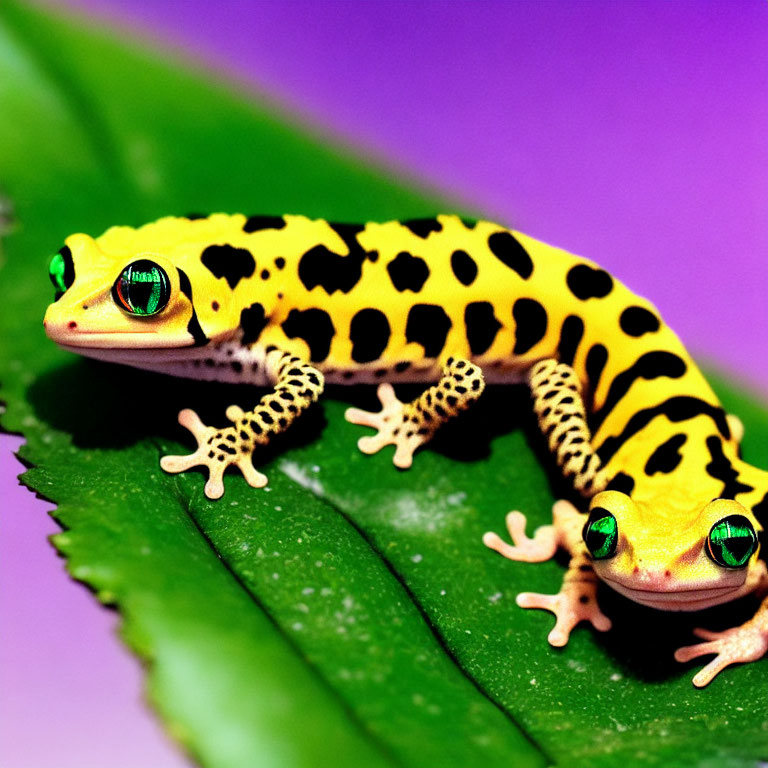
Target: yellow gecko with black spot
{"points": [[672, 512]]}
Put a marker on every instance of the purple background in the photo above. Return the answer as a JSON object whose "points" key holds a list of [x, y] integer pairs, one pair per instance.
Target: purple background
{"points": [[634, 133]]}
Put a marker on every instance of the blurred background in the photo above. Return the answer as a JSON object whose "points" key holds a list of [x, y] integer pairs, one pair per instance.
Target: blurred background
{"points": [[631, 132]]}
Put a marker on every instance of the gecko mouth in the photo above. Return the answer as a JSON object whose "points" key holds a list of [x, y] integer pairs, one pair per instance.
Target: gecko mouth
{"points": [[130, 339], [677, 599], [138, 355]]}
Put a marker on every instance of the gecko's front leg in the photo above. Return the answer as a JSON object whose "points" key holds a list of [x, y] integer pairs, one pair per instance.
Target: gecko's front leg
{"points": [[297, 386], [557, 402], [577, 599], [748, 642]]}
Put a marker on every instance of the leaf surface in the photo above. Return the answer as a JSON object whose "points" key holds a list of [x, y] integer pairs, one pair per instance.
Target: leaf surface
{"points": [[350, 614]]}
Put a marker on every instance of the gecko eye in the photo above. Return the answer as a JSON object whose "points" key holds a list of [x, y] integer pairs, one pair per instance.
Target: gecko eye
{"points": [[143, 288], [601, 534], [61, 270], [732, 541]]}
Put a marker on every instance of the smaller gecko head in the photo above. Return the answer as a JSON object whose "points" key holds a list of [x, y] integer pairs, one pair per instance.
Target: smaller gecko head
{"points": [[132, 290], [648, 555]]}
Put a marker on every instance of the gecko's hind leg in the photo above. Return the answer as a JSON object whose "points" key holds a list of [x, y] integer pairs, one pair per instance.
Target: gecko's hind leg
{"points": [[409, 425]]}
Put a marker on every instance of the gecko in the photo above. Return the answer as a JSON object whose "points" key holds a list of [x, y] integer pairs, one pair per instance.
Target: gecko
{"points": [[671, 515]]}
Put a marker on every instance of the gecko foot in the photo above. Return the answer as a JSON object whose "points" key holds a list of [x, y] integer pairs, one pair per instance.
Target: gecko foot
{"points": [[541, 547], [748, 642], [216, 449], [393, 425], [575, 602]]}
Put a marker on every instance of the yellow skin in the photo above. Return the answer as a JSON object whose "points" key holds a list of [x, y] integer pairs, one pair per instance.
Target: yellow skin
{"points": [[293, 302]]}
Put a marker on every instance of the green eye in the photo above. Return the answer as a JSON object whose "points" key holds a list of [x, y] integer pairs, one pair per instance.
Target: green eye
{"points": [[61, 270], [601, 534], [143, 288], [732, 541]]}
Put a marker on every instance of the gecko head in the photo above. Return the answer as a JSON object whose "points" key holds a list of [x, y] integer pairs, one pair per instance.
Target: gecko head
{"points": [[132, 290], [647, 554]]}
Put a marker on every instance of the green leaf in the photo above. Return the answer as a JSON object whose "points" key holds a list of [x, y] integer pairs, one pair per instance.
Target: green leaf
{"points": [[349, 615]]}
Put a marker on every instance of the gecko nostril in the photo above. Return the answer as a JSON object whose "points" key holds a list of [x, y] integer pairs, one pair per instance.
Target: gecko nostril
{"points": [[667, 574], [72, 324], [637, 570]]}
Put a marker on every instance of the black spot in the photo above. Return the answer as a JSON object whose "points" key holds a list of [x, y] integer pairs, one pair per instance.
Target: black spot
{"points": [[587, 282], [464, 267], [571, 334], [369, 332], [237, 366], [408, 273], [422, 227], [597, 357], [482, 326], [253, 320], [255, 223], [620, 482], [651, 365], [401, 367], [667, 456], [228, 262], [279, 262], [636, 321], [320, 266], [333, 271], [507, 250], [428, 325], [265, 274], [676, 409], [721, 469], [193, 326], [315, 327], [530, 324]]}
